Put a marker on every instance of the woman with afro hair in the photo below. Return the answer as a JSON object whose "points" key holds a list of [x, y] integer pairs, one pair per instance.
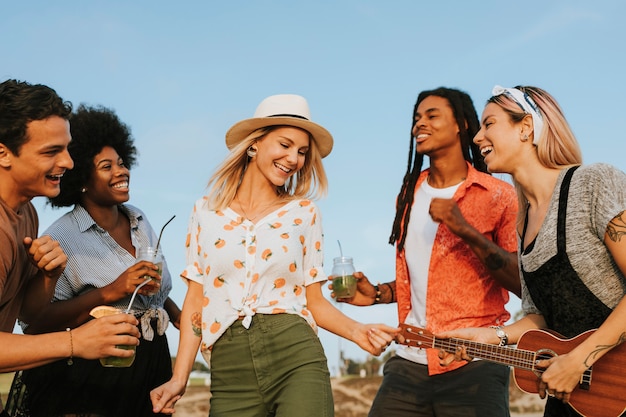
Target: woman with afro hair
{"points": [[101, 236]]}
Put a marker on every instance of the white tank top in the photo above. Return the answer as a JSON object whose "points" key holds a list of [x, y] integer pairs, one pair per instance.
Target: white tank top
{"points": [[418, 246]]}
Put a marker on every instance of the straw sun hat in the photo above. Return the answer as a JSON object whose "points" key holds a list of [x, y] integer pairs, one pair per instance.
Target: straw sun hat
{"points": [[281, 110]]}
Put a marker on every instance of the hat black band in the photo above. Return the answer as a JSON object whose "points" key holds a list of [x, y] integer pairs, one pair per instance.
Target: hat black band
{"points": [[297, 116]]}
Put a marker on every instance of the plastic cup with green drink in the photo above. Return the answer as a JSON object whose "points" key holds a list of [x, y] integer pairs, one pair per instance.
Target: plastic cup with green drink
{"points": [[344, 282], [114, 361]]}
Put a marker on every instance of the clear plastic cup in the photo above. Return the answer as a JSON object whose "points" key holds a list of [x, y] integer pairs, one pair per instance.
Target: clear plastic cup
{"points": [[116, 361], [344, 283], [150, 254]]}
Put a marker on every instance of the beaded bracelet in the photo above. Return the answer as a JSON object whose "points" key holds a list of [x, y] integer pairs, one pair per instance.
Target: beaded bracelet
{"points": [[70, 360], [378, 294]]}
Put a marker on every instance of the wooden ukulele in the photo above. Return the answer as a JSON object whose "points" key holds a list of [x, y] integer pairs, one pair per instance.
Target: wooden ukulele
{"points": [[602, 388]]}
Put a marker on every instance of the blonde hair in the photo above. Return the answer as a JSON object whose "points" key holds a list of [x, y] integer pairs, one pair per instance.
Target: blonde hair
{"points": [[557, 147], [309, 182]]}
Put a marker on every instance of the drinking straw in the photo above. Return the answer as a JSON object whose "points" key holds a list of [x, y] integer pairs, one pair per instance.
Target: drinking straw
{"points": [[130, 304], [161, 234], [135, 293]]}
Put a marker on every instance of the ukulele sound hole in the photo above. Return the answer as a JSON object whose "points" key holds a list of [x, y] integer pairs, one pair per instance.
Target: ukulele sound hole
{"points": [[541, 355]]}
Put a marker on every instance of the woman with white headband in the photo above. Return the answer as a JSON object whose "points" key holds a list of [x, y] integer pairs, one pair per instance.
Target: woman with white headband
{"points": [[572, 255]]}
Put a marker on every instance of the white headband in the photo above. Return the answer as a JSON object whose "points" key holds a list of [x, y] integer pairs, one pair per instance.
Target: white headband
{"points": [[527, 104]]}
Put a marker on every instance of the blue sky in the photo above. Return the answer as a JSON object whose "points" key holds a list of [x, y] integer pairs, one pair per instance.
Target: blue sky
{"points": [[181, 73]]}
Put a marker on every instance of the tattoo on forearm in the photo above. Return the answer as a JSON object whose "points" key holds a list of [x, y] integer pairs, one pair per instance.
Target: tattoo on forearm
{"points": [[617, 227], [196, 324], [594, 354], [494, 261]]}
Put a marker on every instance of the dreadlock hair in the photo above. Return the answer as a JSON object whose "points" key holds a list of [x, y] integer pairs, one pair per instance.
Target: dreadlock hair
{"points": [[467, 121]]}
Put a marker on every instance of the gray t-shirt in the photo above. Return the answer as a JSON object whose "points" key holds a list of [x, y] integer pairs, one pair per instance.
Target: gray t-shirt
{"points": [[597, 194]]}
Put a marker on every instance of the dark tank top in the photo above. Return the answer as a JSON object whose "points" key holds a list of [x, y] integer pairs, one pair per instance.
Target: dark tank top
{"points": [[565, 302]]}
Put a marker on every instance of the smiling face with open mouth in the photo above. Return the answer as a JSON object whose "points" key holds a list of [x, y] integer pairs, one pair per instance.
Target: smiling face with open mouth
{"points": [[499, 139], [434, 126], [282, 153], [42, 161], [108, 184]]}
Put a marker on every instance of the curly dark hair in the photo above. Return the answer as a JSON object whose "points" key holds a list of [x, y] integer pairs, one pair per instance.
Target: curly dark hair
{"points": [[467, 120], [92, 129], [21, 103]]}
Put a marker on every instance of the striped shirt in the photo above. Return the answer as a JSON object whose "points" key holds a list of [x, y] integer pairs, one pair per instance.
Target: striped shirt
{"points": [[95, 259]]}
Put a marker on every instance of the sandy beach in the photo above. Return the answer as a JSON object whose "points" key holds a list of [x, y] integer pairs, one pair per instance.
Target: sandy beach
{"points": [[353, 397]]}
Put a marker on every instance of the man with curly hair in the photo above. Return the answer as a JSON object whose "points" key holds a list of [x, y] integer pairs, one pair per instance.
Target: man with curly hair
{"points": [[34, 136], [102, 236]]}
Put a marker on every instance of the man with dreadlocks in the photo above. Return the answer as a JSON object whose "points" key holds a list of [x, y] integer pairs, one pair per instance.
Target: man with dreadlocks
{"points": [[454, 233]]}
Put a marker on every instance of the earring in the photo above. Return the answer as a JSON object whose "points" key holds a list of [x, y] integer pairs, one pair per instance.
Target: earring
{"points": [[83, 190], [251, 152], [525, 138]]}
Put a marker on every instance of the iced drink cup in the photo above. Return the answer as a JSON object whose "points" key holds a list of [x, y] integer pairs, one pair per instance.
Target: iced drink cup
{"points": [[344, 286], [114, 361], [153, 255], [344, 283]]}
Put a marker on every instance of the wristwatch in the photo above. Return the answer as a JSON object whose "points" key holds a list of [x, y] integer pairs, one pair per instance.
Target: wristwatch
{"points": [[504, 338]]}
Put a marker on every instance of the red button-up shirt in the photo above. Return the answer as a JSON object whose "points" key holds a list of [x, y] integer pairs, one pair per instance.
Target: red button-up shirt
{"points": [[460, 292]]}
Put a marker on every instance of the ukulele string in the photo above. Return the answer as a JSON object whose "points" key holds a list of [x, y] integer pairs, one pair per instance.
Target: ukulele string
{"points": [[518, 358]]}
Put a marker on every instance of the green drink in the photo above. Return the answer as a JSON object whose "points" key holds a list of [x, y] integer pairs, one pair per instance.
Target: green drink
{"points": [[344, 283], [344, 286], [116, 361]]}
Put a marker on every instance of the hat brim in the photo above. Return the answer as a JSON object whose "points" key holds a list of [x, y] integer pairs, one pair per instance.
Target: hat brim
{"points": [[240, 130]]}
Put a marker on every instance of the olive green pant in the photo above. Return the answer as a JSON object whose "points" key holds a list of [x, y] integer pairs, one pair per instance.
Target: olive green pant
{"points": [[275, 368]]}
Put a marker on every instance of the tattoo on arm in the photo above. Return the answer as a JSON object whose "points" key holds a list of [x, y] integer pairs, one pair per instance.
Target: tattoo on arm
{"points": [[495, 258], [494, 261], [196, 324], [600, 348], [617, 227]]}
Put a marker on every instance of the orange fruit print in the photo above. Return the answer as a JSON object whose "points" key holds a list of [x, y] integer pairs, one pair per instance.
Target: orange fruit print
{"points": [[218, 282], [215, 327]]}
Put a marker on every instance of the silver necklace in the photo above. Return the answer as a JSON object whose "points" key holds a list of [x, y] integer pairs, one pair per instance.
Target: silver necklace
{"points": [[246, 214]]}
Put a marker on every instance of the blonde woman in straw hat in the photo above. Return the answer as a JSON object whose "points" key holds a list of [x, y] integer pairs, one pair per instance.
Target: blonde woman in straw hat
{"points": [[255, 271]]}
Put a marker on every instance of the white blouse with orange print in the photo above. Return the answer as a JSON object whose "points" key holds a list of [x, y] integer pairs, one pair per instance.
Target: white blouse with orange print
{"points": [[247, 268]]}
